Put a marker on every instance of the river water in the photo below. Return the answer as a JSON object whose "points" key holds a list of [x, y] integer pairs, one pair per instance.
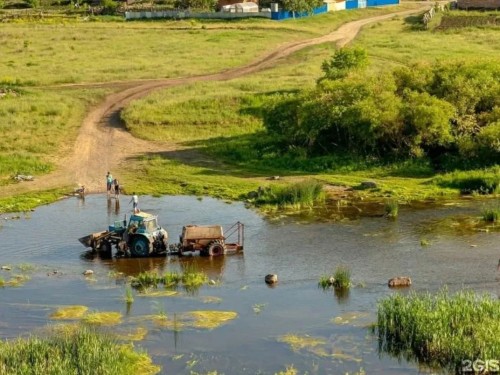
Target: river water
{"points": [[298, 249]]}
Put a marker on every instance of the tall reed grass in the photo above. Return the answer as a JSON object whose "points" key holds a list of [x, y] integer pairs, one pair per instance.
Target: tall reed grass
{"points": [[486, 181], [491, 214], [304, 194], [190, 278], [70, 350], [442, 329]]}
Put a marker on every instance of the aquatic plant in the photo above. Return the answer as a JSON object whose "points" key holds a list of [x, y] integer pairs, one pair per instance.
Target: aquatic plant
{"points": [[171, 279], [440, 330], [2, 281], [289, 370], [209, 319], [304, 194], [61, 353], [491, 215], [391, 208], [69, 312], [342, 277], [190, 279], [326, 282], [103, 318], [133, 335], [129, 295]]}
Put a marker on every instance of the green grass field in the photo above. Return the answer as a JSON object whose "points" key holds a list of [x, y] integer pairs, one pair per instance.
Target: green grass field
{"points": [[219, 119]]}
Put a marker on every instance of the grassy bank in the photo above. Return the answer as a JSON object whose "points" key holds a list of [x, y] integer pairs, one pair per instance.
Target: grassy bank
{"points": [[224, 120], [38, 126], [440, 330], [72, 350]]}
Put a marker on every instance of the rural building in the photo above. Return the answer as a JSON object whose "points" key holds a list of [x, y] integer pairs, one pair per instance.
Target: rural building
{"points": [[249, 7], [478, 4]]}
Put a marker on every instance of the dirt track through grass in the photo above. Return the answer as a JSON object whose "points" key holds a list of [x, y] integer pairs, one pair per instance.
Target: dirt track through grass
{"points": [[104, 144]]}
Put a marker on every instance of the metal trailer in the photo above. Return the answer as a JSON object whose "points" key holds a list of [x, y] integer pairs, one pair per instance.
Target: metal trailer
{"points": [[210, 240]]}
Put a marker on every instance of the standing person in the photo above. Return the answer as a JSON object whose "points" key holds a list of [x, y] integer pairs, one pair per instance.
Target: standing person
{"points": [[109, 182], [117, 188], [135, 202]]}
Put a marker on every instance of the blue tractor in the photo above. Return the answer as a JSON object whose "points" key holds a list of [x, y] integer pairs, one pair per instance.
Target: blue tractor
{"points": [[142, 237]]}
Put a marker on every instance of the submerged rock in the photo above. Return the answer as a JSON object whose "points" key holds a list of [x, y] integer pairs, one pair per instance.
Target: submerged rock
{"points": [[399, 281], [271, 279]]}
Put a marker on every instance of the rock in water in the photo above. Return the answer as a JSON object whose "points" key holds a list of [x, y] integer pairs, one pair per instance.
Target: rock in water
{"points": [[271, 279], [399, 281]]}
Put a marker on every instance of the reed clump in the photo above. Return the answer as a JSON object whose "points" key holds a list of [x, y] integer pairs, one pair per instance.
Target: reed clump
{"points": [[391, 208], [73, 351], [491, 215], [190, 278], [440, 330], [303, 194], [340, 280]]}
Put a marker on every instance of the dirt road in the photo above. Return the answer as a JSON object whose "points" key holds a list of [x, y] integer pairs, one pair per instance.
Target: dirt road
{"points": [[103, 143]]}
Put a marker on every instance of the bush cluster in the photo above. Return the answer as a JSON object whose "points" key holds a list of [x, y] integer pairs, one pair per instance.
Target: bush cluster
{"points": [[449, 113]]}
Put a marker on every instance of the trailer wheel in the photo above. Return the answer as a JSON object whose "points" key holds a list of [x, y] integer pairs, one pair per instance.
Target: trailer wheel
{"points": [[216, 248], [140, 247]]}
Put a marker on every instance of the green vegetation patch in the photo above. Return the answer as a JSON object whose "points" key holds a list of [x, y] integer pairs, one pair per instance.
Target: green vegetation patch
{"points": [[103, 318], [441, 329], [304, 342], [201, 319], [72, 351], [69, 312], [484, 181], [190, 279], [462, 19], [137, 334], [27, 202], [303, 194]]}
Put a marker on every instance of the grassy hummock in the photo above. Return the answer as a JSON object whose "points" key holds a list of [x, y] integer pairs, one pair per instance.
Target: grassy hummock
{"points": [[303, 194], [440, 330], [70, 350]]}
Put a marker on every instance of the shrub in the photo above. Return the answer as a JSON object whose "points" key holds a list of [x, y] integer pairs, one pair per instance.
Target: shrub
{"points": [[109, 7]]}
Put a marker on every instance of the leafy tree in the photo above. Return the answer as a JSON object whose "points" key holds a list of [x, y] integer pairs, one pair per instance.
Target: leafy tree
{"points": [[2, 4], [197, 4], [428, 121], [344, 61], [301, 6], [109, 6]]}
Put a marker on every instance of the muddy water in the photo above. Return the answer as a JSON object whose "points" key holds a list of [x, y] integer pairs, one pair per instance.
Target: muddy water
{"points": [[298, 249]]}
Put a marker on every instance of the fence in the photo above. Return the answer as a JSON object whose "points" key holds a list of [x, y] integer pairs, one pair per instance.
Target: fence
{"points": [[175, 14], [287, 14]]}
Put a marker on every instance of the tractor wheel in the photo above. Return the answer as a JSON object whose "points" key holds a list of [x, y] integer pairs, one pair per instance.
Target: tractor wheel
{"points": [[140, 247], [105, 248], [216, 248]]}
